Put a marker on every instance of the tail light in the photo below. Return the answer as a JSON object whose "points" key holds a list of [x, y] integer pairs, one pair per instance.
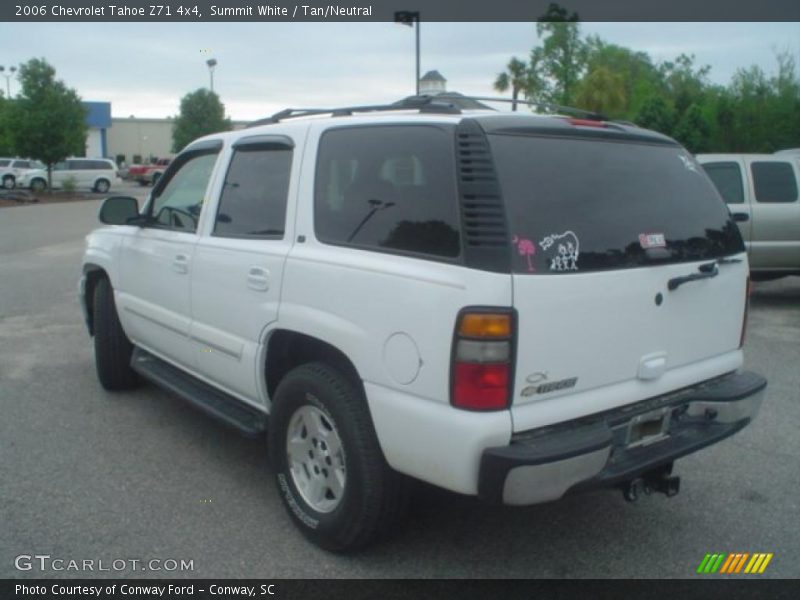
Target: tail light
{"points": [[483, 358], [748, 291]]}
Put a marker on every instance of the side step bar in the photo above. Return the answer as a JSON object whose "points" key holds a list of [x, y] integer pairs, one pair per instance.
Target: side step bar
{"points": [[231, 411]]}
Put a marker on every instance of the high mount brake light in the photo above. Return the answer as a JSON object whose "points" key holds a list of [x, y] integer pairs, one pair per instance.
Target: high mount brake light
{"points": [[481, 373], [586, 122]]}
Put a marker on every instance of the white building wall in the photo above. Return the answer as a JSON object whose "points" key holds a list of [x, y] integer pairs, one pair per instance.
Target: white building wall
{"points": [[94, 143]]}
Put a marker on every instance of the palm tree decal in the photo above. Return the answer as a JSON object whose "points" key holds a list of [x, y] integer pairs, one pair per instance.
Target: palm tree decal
{"points": [[526, 248]]}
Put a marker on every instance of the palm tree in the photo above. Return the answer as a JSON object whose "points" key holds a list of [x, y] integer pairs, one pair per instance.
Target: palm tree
{"points": [[515, 77]]}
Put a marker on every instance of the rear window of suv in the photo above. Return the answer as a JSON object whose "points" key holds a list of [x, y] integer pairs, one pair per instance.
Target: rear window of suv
{"points": [[578, 204]]}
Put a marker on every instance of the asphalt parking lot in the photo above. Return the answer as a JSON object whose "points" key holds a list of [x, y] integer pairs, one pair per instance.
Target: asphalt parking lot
{"points": [[86, 474]]}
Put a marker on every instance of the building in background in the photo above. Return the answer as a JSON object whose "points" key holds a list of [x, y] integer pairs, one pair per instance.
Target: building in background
{"points": [[98, 119], [135, 140]]}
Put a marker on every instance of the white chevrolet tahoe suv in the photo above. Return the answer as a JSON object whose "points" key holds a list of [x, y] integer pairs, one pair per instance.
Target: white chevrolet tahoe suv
{"points": [[516, 307]]}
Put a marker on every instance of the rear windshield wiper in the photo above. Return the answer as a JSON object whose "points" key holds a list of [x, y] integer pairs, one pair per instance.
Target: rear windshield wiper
{"points": [[707, 271]]}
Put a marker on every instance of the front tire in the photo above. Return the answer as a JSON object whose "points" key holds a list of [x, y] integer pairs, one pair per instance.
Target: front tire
{"points": [[38, 185], [328, 464], [112, 348], [9, 182]]}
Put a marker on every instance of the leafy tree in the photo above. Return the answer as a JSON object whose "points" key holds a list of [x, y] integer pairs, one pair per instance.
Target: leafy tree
{"points": [[6, 144], [515, 77], [559, 62], [656, 114], [47, 120], [602, 91], [685, 84], [201, 113], [693, 130]]}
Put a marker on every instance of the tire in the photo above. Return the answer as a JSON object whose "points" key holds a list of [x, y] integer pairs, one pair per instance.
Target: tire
{"points": [[38, 185], [102, 186], [362, 496], [112, 348], [9, 182]]}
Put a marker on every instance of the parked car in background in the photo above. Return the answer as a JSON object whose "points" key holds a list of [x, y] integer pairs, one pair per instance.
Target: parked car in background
{"points": [[12, 168], [151, 173], [762, 194], [96, 174]]}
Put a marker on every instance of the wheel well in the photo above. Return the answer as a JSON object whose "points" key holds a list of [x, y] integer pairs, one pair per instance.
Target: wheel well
{"points": [[92, 278], [289, 349]]}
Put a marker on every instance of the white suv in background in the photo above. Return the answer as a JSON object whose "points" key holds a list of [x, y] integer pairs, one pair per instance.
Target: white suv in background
{"points": [[515, 307], [11, 169], [96, 174]]}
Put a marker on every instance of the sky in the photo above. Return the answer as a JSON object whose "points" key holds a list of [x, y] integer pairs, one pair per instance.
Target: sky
{"points": [[144, 69]]}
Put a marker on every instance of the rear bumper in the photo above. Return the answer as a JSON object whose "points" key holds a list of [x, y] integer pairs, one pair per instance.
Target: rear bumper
{"points": [[598, 451]]}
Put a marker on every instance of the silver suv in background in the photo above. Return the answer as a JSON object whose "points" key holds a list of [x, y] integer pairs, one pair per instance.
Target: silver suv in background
{"points": [[761, 191], [96, 174]]}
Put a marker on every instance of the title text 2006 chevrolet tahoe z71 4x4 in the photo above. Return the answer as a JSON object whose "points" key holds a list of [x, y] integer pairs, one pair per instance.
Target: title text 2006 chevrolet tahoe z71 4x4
{"points": [[510, 306]]}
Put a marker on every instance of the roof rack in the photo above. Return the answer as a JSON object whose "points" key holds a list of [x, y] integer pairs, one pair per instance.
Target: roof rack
{"points": [[548, 106], [427, 104], [445, 103]]}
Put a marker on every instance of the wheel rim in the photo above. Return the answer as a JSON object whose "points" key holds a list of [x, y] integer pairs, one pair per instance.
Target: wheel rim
{"points": [[37, 185], [316, 458], [102, 186], [8, 183]]}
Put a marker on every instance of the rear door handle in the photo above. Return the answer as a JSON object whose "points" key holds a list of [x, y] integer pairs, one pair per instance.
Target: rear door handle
{"points": [[258, 279], [740, 217], [180, 264]]}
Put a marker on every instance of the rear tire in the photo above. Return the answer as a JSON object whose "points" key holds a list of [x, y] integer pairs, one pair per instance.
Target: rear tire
{"points": [[112, 348], [344, 495], [102, 186], [38, 185]]}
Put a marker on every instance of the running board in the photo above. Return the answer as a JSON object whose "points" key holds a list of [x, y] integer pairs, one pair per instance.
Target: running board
{"points": [[226, 408]]}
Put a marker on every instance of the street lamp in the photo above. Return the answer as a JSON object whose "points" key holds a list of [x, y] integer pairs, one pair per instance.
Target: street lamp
{"points": [[409, 17], [8, 75], [211, 62]]}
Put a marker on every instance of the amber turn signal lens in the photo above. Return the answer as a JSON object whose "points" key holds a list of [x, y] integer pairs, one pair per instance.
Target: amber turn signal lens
{"points": [[483, 325]]}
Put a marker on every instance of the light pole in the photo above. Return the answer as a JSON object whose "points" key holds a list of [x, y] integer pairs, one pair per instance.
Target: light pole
{"points": [[8, 75], [409, 17], [211, 62]]}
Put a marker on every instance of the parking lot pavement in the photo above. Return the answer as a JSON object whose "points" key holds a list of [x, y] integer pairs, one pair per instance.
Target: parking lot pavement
{"points": [[91, 475]]}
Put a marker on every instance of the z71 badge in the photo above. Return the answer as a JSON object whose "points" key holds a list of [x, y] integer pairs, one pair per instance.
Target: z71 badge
{"points": [[547, 386]]}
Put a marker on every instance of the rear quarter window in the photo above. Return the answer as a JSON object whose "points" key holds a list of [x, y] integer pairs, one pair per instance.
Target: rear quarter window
{"points": [[388, 188]]}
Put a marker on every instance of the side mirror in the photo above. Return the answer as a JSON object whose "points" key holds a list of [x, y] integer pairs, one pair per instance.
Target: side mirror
{"points": [[118, 210]]}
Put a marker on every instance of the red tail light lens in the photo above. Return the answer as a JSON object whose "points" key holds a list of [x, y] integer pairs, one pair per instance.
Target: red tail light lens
{"points": [[586, 123], [481, 387], [482, 360]]}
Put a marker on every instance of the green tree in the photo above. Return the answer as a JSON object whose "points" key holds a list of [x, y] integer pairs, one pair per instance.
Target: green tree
{"points": [[602, 91], [557, 65], [47, 120], [514, 77], [656, 114], [6, 144], [693, 130], [201, 113]]}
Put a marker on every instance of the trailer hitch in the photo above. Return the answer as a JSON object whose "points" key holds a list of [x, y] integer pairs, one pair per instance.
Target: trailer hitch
{"points": [[658, 480]]}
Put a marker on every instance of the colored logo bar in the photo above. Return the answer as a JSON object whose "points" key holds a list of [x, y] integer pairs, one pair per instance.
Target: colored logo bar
{"points": [[735, 563]]}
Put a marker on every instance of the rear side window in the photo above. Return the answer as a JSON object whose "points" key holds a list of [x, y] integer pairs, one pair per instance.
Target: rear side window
{"points": [[388, 188], [774, 182], [254, 195], [578, 204], [727, 177], [4, 163]]}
